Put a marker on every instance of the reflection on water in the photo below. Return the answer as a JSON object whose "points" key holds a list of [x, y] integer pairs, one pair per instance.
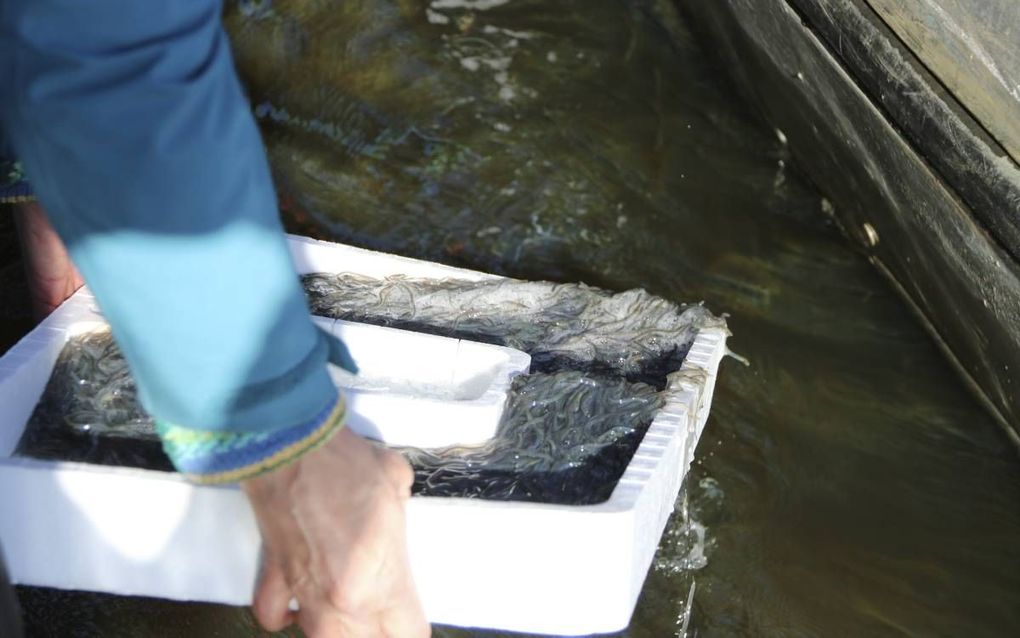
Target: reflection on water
{"points": [[845, 485]]}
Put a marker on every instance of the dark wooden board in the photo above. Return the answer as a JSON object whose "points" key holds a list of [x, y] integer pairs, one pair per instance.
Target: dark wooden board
{"points": [[955, 144], [957, 277], [973, 47]]}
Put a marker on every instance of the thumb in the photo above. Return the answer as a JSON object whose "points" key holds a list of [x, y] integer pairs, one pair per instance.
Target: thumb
{"points": [[272, 598]]}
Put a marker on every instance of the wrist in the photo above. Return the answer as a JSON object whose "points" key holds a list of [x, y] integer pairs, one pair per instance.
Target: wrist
{"points": [[229, 457]]}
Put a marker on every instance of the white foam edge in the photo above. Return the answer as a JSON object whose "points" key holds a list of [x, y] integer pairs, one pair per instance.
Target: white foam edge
{"points": [[530, 567]]}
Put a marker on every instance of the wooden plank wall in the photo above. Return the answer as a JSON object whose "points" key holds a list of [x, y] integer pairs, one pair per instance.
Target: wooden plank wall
{"points": [[962, 283], [973, 47], [972, 163]]}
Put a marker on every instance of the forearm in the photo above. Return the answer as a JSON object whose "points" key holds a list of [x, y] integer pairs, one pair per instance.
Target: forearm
{"points": [[52, 278], [131, 124]]}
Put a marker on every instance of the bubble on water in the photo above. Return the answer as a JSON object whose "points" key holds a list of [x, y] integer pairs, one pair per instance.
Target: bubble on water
{"points": [[683, 545]]}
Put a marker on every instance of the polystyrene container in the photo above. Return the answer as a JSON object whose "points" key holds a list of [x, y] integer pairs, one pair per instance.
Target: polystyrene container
{"points": [[560, 569]]}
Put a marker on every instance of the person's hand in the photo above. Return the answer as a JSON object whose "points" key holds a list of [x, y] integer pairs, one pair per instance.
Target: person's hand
{"points": [[52, 277], [334, 539]]}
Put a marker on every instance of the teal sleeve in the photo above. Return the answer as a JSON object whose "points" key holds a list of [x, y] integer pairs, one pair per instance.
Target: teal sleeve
{"points": [[132, 126]]}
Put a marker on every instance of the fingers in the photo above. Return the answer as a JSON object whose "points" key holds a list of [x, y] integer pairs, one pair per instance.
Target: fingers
{"points": [[324, 621], [399, 472], [272, 598], [405, 618]]}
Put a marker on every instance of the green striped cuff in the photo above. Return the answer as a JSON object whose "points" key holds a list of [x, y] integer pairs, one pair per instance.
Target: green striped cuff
{"points": [[206, 456]]}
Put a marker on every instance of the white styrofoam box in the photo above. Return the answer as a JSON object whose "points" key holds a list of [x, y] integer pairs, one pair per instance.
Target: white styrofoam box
{"points": [[422, 390], [542, 568]]}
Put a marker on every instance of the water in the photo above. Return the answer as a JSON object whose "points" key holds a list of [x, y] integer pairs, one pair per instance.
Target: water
{"points": [[846, 484]]}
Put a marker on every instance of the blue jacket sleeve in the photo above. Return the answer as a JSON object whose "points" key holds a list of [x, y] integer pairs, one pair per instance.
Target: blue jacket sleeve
{"points": [[132, 126]]}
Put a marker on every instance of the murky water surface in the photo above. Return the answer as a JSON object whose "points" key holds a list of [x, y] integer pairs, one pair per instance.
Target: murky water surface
{"points": [[846, 484]]}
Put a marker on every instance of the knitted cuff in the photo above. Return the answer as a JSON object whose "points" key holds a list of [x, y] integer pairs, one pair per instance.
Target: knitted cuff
{"points": [[205, 456]]}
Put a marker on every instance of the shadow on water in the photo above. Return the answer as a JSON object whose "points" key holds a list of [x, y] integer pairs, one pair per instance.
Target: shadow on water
{"points": [[846, 484]]}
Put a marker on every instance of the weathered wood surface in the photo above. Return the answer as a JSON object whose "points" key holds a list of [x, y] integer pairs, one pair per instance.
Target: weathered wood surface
{"points": [[973, 164], [966, 287], [973, 46]]}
